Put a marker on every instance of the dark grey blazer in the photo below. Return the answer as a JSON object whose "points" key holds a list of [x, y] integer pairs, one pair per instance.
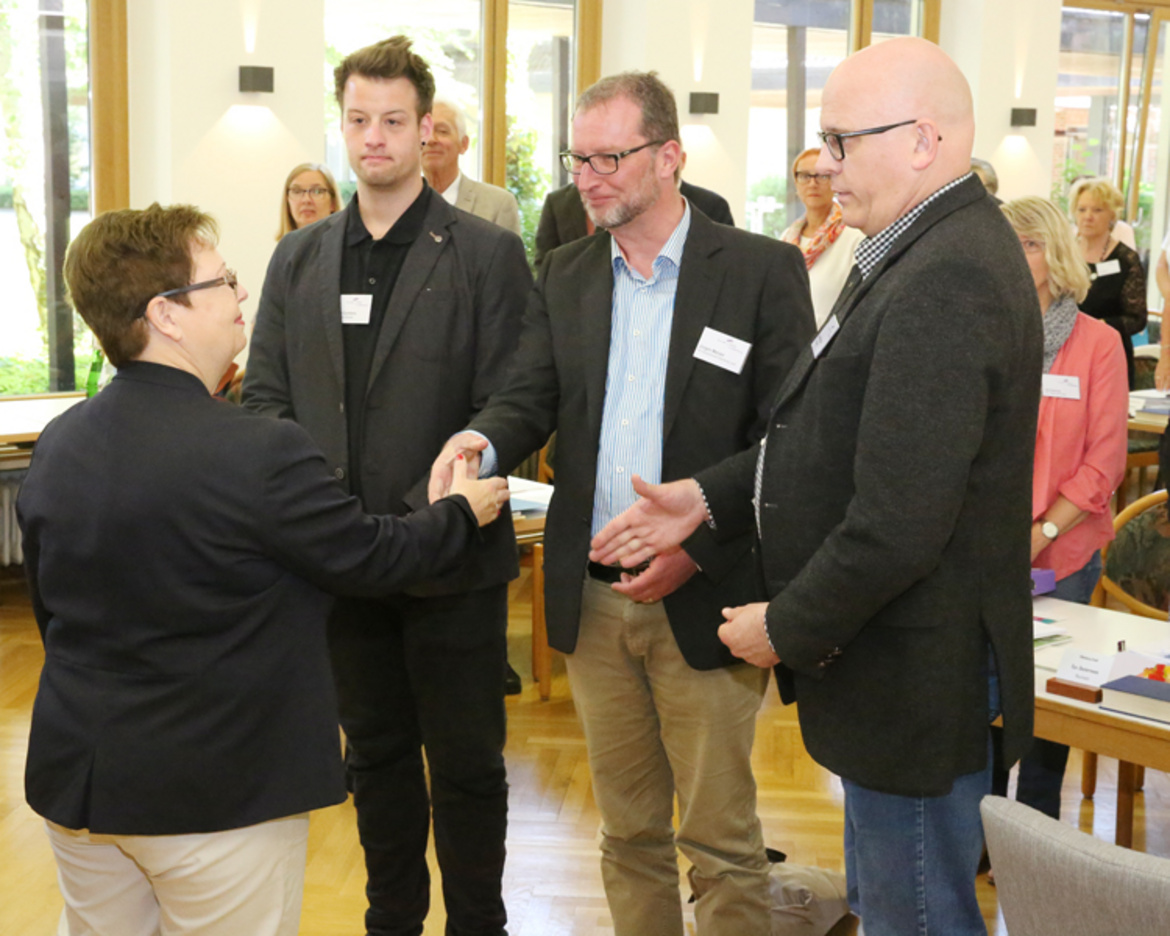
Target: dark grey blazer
{"points": [[744, 285], [176, 549], [444, 346], [896, 507], [562, 219]]}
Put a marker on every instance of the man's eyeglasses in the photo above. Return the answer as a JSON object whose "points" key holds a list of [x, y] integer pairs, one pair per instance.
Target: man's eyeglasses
{"points": [[804, 178], [836, 141], [228, 279], [317, 191], [601, 163]]}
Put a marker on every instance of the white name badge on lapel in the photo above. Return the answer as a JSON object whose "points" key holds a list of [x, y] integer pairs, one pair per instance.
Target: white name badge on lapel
{"points": [[355, 309], [1109, 268], [1061, 386], [722, 350], [825, 335]]}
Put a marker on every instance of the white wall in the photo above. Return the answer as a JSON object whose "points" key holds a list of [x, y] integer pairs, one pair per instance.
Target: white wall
{"points": [[1010, 51], [694, 45], [194, 137]]}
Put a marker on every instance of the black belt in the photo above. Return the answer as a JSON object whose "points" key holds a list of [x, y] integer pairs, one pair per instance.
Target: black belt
{"points": [[611, 574]]}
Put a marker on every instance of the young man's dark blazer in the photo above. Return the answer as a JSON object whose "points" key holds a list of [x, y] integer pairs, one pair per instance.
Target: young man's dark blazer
{"points": [[443, 347], [896, 507], [562, 218], [176, 547], [741, 284]]}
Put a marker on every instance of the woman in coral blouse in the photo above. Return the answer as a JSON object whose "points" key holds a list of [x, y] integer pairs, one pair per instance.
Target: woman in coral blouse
{"points": [[1080, 442]]}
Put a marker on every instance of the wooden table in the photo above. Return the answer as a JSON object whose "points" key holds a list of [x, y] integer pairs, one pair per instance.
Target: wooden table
{"points": [[23, 418], [1133, 741], [529, 528]]}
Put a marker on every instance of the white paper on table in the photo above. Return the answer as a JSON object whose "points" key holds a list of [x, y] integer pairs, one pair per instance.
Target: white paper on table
{"points": [[528, 496]]}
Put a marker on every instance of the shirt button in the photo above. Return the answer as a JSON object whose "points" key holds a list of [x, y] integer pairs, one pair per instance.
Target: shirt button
{"points": [[620, 469], [625, 422], [637, 332], [372, 281], [630, 378], [339, 474]]}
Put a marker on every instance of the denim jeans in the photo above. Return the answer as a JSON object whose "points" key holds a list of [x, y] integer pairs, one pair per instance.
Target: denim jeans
{"points": [[911, 860]]}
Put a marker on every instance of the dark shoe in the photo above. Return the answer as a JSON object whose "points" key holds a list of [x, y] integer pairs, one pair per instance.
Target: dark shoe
{"points": [[511, 680]]}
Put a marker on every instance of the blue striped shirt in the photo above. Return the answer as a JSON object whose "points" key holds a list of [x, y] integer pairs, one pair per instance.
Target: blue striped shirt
{"points": [[635, 382]]}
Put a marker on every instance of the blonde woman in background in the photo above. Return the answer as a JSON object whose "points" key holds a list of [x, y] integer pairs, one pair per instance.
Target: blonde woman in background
{"points": [[821, 235], [1117, 294], [1080, 446], [310, 194]]}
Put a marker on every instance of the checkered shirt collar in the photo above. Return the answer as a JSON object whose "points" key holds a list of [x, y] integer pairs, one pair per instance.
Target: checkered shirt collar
{"points": [[870, 251]]}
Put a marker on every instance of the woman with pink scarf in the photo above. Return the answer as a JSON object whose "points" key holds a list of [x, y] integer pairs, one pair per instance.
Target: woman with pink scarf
{"points": [[821, 235]]}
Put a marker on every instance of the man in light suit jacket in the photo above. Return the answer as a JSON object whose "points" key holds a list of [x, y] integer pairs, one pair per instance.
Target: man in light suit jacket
{"points": [[655, 347], [893, 497], [563, 218], [382, 330], [440, 163]]}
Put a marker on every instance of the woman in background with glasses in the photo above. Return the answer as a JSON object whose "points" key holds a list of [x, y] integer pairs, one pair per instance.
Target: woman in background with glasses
{"points": [[1080, 445], [821, 235], [310, 194]]}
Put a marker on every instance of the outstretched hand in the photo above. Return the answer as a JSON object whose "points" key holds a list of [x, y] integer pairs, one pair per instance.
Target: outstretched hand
{"points": [[662, 517], [467, 444], [486, 497]]}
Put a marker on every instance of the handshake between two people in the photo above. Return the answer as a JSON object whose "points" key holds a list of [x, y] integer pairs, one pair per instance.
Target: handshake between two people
{"points": [[486, 496]]}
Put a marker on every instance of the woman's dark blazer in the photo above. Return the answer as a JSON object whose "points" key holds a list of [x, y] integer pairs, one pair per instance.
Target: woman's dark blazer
{"points": [[177, 548]]}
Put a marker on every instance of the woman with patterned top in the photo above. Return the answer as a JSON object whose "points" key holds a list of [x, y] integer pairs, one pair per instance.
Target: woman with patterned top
{"points": [[821, 235]]}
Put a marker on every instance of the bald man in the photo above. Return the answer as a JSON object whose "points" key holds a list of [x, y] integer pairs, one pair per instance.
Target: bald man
{"points": [[893, 495]]}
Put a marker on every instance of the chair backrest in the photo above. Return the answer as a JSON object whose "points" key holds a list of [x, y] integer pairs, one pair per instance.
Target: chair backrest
{"points": [[1137, 563], [1143, 372], [1053, 880]]}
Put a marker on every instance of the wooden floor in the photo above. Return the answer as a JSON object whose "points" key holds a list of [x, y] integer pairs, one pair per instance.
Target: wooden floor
{"points": [[552, 884]]}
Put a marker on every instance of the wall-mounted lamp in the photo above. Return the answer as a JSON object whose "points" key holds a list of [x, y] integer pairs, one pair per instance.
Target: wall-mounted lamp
{"points": [[704, 102], [1023, 116], [257, 78]]}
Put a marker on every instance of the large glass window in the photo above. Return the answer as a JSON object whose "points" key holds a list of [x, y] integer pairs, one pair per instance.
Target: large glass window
{"points": [[44, 191], [795, 45], [540, 94], [1088, 119], [1109, 109], [794, 48], [893, 18]]}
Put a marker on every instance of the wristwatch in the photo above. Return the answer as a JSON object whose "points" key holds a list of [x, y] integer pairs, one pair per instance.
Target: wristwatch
{"points": [[1050, 530]]}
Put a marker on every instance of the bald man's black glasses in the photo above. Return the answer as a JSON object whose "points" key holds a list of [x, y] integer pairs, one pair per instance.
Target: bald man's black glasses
{"points": [[836, 141]]}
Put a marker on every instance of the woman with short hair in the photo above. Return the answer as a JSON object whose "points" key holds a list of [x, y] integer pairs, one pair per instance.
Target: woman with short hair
{"points": [[821, 234], [1117, 291], [178, 551]]}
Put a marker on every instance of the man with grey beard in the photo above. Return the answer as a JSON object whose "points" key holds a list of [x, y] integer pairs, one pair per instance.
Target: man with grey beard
{"points": [[657, 348]]}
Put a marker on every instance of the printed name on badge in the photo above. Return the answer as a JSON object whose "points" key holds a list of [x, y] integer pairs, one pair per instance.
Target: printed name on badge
{"points": [[825, 335], [1061, 386], [1108, 267], [722, 350], [355, 309]]}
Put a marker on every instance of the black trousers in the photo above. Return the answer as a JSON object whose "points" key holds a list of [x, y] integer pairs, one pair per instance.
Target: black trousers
{"points": [[415, 674]]}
